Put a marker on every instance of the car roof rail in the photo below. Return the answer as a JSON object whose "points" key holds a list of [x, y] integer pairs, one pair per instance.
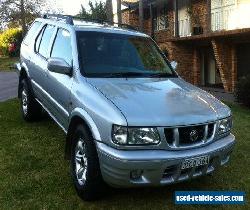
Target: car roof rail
{"points": [[106, 22], [69, 20]]}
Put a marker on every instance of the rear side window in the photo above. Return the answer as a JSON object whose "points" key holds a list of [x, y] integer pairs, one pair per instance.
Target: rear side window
{"points": [[43, 48], [62, 46], [32, 32]]}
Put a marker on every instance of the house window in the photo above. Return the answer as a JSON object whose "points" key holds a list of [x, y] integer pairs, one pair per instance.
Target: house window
{"points": [[221, 13], [160, 19]]}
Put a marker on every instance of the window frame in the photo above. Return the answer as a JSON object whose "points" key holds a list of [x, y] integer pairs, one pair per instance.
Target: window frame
{"points": [[161, 13]]}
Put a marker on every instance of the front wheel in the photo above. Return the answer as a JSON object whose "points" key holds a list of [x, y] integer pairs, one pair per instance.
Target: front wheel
{"points": [[85, 167]]}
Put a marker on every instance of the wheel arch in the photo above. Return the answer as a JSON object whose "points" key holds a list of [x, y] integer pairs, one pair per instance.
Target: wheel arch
{"points": [[80, 116]]}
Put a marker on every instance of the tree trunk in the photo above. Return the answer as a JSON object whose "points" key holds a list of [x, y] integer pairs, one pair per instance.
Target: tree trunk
{"points": [[141, 15], [208, 16], [119, 14], [23, 19], [176, 18], [109, 8]]}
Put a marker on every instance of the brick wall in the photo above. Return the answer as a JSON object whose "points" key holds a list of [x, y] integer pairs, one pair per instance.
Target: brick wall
{"points": [[188, 55], [198, 11], [163, 35], [189, 61], [199, 14], [130, 17], [226, 61], [125, 17]]}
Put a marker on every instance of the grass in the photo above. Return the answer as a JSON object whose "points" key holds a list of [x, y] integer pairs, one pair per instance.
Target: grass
{"points": [[7, 63], [34, 174]]}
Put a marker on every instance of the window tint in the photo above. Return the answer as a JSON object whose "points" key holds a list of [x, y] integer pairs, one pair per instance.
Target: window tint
{"points": [[32, 32], [103, 54], [44, 45], [62, 46]]}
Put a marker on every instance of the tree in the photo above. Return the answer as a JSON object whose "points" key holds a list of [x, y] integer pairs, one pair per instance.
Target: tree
{"points": [[83, 13], [119, 13], [97, 11], [109, 10], [20, 12], [141, 15]]}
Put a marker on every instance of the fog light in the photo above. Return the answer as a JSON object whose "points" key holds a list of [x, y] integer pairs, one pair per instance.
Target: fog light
{"points": [[136, 174]]}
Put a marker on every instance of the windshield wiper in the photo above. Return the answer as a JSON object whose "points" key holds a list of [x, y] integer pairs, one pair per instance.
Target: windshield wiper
{"points": [[133, 74], [125, 74], [161, 75]]}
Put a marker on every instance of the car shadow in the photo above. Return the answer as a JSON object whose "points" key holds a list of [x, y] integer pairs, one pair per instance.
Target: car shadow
{"points": [[164, 192]]}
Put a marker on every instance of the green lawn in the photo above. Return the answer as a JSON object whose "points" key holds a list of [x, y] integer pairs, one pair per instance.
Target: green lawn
{"points": [[7, 64], [34, 174]]}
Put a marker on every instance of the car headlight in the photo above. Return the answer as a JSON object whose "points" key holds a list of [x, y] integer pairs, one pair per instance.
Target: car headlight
{"points": [[224, 125], [135, 135]]}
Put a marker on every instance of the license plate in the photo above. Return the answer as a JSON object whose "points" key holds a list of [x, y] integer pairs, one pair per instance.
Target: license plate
{"points": [[194, 162]]}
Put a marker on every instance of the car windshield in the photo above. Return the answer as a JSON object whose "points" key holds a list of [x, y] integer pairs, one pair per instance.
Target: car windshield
{"points": [[120, 55]]}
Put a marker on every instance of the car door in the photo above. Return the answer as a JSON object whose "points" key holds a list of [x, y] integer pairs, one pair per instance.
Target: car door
{"points": [[59, 85], [38, 70]]}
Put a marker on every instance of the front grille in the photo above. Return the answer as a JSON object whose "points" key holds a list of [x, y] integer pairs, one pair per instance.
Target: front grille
{"points": [[184, 134], [189, 135], [210, 130]]}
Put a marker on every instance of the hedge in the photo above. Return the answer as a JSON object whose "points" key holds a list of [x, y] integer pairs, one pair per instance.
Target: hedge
{"points": [[242, 92], [10, 41]]}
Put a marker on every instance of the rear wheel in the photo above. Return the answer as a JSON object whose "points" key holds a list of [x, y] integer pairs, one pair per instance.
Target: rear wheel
{"points": [[30, 108], [85, 167]]}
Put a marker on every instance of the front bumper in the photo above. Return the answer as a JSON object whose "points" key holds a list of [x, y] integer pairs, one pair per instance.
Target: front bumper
{"points": [[159, 167]]}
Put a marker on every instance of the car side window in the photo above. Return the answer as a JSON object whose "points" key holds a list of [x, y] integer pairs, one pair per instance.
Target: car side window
{"points": [[46, 37], [32, 32], [62, 46]]}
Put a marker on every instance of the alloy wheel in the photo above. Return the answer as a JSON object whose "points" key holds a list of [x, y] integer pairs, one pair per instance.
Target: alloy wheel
{"points": [[81, 161]]}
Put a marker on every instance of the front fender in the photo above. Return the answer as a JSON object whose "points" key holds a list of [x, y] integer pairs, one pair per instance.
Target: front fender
{"points": [[22, 71], [79, 112], [24, 67], [18, 68]]}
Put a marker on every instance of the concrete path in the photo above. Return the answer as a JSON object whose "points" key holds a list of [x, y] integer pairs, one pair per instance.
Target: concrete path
{"points": [[220, 94], [8, 85]]}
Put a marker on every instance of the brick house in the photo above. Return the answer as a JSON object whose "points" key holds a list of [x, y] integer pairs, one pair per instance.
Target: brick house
{"points": [[210, 39]]}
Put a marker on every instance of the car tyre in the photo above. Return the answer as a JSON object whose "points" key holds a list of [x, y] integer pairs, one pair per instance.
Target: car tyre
{"points": [[31, 110], [85, 168]]}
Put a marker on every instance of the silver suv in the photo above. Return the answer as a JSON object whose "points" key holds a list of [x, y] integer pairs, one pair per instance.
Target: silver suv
{"points": [[129, 119]]}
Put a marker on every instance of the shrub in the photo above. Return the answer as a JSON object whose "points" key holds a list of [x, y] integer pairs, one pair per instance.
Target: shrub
{"points": [[10, 42], [242, 92]]}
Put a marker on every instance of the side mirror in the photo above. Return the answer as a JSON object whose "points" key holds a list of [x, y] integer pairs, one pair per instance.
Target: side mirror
{"points": [[174, 64], [59, 65]]}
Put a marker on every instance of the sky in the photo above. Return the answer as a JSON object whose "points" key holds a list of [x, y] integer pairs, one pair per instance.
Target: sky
{"points": [[70, 7]]}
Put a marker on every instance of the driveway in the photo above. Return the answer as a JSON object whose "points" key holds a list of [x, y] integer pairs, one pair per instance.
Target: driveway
{"points": [[220, 94], [8, 85]]}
